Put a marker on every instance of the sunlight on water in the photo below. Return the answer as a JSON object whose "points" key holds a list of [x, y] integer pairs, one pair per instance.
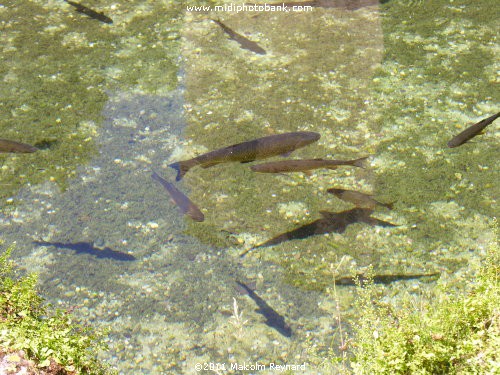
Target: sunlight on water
{"points": [[242, 272]]}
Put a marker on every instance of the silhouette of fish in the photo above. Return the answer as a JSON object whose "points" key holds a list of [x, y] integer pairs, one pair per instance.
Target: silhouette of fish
{"points": [[304, 165], [181, 200], [329, 222], [17, 147], [273, 318], [89, 12], [471, 131], [241, 40], [380, 279], [88, 248], [259, 148], [358, 198]]}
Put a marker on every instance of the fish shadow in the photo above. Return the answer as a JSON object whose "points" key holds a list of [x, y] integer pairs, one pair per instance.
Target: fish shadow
{"points": [[88, 248], [273, 318], [329, 223], [383, 279]]}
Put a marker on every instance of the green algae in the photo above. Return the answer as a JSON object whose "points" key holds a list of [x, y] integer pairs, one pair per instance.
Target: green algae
{"points": [[56, 70], [261, 103], [403, 111]]}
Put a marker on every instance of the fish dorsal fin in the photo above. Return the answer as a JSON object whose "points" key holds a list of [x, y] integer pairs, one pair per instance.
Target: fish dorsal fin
{"points": [[327, 214]]}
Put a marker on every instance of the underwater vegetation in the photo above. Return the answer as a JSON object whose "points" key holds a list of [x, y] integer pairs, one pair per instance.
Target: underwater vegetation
{"points": [[394, 85], [56, 74]]}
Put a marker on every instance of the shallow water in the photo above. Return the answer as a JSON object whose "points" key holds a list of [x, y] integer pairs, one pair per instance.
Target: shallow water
{"points": [[107, 104]]}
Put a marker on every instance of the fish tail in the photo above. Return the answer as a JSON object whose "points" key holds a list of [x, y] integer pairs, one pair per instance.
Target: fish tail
{"points": [[181, 167], [361, 162]]}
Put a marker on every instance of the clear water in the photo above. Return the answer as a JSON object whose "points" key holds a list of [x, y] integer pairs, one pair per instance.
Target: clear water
{"points": [[107, 104]]}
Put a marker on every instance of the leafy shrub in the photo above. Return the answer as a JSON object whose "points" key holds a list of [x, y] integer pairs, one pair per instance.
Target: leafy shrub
{"points": [[451, 334], [27, 325]]}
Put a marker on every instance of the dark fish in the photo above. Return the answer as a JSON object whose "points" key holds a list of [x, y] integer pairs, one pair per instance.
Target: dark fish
{"points": [[329, 223], [184, 203], [471, 131], [358, 198], [273, 318], [89, 12], [304, 165], [88, 248], [241, 40], [380, 279], [259, 148], [342, 4], [13, 146]]}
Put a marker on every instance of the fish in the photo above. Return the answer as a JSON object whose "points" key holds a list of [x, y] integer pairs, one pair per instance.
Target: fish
{"points": [[304, 165], [182, 201], [273, 318], [260, 148], [379, 279], [471, 131], [358, 198], [244, 42], [17, 147], [89, 12], [330, 222]]}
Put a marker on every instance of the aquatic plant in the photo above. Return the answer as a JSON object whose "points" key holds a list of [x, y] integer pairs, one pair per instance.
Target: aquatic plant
{"points": [[449, 334], [32, 330]]}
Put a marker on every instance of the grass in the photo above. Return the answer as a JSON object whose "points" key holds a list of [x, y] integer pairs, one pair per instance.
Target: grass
{"points": [[29, 326], [450, 333]]}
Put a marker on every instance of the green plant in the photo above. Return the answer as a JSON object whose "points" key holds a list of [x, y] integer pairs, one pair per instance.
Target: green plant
{"points": [[27, 324], [452, 334]]}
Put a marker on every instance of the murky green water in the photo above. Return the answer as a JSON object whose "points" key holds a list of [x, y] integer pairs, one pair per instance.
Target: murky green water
{"points": [[106, 104]]}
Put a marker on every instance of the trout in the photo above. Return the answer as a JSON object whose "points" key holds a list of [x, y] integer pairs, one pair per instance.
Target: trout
{"points": [[304, 165], [260, 148], [471, 131], [358, 198], [13, 146], [182, 201]]}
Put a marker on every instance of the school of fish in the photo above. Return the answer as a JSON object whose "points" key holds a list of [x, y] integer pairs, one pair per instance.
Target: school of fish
{"points": [[266, 147]]}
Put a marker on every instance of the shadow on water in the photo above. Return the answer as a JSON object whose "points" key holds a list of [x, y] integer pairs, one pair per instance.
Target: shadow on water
{"points": [[273, 318], [89, 248], [329, 223], [384, 279]]}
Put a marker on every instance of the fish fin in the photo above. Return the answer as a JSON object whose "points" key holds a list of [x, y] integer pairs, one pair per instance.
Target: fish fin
{"points": [[361, 162], [326, 214], [332, 167], [181, 168], [307, 173], [246, 161], [286, 154], [208, 165], [389, 205]]}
